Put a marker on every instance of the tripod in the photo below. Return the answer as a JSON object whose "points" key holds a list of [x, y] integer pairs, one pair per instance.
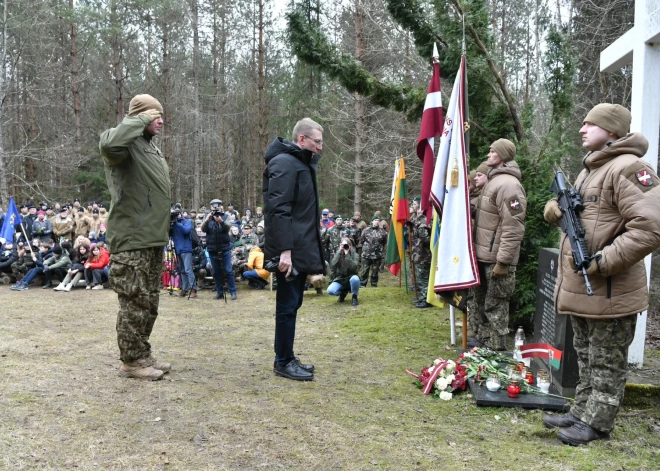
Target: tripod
{"points": [[221, 273]]}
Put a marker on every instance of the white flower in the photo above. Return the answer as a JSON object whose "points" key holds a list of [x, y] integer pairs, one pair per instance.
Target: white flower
{"points": [[449, 369], [437, 362], [445, 396], [441, 384]]}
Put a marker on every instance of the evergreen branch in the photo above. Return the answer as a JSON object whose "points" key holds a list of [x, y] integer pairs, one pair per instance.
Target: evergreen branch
{"points": [[409, 14], [312, 47], [517, 125]]}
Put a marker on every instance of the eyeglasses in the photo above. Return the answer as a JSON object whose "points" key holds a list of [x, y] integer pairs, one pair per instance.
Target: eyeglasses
{"points": [[319, 142]]}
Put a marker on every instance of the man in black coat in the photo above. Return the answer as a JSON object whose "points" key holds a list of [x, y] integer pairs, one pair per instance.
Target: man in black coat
{"points": [[292, 233]]}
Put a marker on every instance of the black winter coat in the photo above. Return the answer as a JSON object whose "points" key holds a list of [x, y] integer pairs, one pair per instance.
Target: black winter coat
{"points": [[217, 235], [291, 206]]}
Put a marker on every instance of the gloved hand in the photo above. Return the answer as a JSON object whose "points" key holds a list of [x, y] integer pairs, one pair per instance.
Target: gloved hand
{"points": [[499, 270], [552, 213], [152, 114], [594, 267]]}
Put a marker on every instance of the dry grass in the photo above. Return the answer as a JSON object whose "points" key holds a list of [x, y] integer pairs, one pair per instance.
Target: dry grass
{"points": [[63, 406]]}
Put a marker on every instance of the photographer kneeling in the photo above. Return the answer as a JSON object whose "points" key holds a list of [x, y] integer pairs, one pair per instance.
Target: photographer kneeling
{"points": [[344, 272]]}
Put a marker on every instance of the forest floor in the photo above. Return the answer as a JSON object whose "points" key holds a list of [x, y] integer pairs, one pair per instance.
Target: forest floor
{"points": [[64, 406]]}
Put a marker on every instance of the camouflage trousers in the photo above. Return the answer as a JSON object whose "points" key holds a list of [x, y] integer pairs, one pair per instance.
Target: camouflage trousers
{"points": [[422, 278], [490, 321], [135, 277], [602, 351], [373, 265]]}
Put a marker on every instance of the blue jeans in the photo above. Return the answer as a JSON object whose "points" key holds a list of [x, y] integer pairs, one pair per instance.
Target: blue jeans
{"points": [[222, 261], [252, 275], [187, 274], [31, 275], [335, 289], [288, 300]]}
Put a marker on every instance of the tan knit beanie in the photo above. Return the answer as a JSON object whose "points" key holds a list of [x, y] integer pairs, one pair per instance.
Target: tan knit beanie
{"points": [[483, 168], [473, 174], [613, 118], [141, 103], [505, 149]]}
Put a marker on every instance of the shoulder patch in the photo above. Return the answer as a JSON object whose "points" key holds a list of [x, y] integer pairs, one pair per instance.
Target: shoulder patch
{"points": [[515, 207], [642, 176]]}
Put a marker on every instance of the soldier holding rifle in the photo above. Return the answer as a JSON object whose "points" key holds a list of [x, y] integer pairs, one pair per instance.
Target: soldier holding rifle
{"points": [[620, 196]]}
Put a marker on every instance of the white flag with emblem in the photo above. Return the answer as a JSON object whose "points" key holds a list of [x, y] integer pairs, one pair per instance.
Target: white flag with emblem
{"points": [[456, 266]]}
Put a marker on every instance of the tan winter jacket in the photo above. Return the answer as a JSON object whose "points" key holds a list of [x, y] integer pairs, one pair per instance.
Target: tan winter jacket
{"points": [[63, 228], [621, 219], [81, 227], [500, 216]]}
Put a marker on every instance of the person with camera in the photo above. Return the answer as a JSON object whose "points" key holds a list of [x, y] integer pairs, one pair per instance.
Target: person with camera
{"points": [[217, 226], [183, 247], [293, 240], [344, 273], [138, 228]]}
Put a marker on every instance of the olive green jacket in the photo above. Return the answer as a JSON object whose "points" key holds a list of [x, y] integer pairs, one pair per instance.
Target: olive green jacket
{"points": [[139, 184]]}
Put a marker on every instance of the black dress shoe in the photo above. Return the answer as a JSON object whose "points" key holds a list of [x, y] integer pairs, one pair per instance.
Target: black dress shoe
{"points": [[423, 304], [306, 367], [294, 371], [219, 296], [560, 421], [581, 434]]}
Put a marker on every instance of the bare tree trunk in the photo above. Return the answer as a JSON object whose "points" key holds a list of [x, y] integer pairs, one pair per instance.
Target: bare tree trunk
{"points": [[360, 109], [4, 86], [116, 65], [195, 144], [74, 76], [263, 112]]}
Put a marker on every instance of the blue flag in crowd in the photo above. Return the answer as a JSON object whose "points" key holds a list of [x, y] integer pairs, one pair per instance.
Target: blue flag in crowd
{"points": [[12, 217]]}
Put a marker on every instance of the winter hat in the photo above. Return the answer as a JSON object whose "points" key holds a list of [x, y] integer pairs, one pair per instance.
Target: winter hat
{"points": [[92, 234], [41, 212], [57, 250], [613, 118], [483, 167], [141, 103], [505, 149], [473, 174]]}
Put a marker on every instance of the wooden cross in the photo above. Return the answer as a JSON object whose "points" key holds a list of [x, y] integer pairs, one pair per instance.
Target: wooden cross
{"points": [[641, 46]]}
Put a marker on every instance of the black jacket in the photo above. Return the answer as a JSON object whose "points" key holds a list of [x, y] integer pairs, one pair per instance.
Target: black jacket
{"points": [[291, 206], [217, 235], [7, 259]]}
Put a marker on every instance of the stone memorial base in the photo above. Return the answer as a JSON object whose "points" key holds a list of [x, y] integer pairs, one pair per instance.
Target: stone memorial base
{"points": [[485, 398]]}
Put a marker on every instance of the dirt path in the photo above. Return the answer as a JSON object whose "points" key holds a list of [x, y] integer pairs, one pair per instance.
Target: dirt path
{"points": [[63, 405]]}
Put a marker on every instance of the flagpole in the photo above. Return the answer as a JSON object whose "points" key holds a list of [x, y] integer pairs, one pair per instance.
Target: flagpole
{"points": [[27, 240], [467, 156]]}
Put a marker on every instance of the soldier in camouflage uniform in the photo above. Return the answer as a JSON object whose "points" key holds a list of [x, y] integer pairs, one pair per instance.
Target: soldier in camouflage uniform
{"points": [[354, 233], [333, 236], [137, 174], [499, 231], [239, 259], [421, 255], [373, 242], [620, 219]]}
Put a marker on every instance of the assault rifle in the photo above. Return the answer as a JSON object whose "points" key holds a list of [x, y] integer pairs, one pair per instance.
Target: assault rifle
{"points": [[570, 203]]}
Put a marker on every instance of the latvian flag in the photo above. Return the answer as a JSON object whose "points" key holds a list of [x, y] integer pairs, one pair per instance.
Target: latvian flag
{"points": [[542, 350]]}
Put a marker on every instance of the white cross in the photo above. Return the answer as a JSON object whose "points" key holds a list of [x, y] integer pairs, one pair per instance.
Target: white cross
{"points": [[641, 46], [644, 176]]}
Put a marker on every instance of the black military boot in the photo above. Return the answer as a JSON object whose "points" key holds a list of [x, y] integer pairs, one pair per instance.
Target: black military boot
{"points": [[560, 421], [342, 296], [354, 301], [581, 434]]}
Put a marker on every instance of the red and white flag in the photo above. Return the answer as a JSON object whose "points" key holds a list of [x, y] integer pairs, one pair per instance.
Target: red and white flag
{"points": [[431, 127]]}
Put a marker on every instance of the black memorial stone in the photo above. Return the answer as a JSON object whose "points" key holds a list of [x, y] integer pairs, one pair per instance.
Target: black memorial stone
{"points": [[552, 328]]}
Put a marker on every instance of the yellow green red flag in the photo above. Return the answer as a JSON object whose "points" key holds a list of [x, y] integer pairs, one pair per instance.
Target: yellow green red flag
{"points": [[399, 212]]}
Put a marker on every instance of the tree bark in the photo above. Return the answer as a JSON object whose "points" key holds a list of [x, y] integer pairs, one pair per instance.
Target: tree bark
{"points": [[360, 109]]}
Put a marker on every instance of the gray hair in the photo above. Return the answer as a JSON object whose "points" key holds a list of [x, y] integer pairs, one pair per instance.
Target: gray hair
{"points": [[304, 126]]}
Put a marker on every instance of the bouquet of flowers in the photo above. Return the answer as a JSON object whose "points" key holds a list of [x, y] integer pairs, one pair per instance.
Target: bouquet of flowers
{"points": [[445, 377]]}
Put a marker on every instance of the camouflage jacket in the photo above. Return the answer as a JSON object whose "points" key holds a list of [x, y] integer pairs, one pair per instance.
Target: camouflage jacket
{"points": [[333, 237], [373, 242], [421, 245]]}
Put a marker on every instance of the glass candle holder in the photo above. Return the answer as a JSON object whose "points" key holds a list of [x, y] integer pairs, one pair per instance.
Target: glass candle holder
{"points": [[493, 382], [543, 381], [513, 389]]}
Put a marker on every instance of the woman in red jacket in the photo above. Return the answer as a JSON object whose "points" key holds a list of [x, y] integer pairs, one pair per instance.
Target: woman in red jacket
{"points": [[94, 268]]}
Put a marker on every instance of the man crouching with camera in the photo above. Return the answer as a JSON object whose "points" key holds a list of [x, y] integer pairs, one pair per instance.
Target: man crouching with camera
{"points": [[344, 272]]}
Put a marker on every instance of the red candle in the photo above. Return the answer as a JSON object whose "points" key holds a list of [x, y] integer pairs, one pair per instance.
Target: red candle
{"points": [[513, 389], [530, 377]]}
